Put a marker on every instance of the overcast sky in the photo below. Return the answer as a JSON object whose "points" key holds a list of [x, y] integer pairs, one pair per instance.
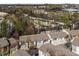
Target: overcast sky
{"points": [[38, 1]]}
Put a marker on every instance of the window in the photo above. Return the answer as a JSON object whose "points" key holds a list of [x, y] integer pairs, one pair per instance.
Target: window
{"points": [[5, 52], [39, 42], [34, 43], [5, 49], [74, 48]]}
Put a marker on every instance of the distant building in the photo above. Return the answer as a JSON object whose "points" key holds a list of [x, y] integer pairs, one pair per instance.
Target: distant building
{"points": [[3, 14], [40, 11]]}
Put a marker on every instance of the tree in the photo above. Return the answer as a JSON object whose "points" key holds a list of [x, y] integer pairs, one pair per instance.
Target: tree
{"points": [[4, 27]]}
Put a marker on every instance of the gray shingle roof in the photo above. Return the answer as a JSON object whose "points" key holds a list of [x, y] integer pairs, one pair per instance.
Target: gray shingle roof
{"points": [[58, 34], [13, 42], [76, 41], [58, 50], [73, 32], [36, 37], [21, 53], [3, 42], [23, 38]]}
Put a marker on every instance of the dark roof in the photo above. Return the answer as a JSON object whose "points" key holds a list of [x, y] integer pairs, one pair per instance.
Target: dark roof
{"points": [[3, 42], [58, 50], [21, 53]]}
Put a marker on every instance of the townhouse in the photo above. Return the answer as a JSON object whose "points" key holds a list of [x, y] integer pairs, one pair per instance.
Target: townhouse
{"points": [[52, 50], [57, 37], [36, 40], [13, 45], [4, 46]]}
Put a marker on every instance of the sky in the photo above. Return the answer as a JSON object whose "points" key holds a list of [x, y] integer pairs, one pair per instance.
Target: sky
{"points": [[38, 1]]}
